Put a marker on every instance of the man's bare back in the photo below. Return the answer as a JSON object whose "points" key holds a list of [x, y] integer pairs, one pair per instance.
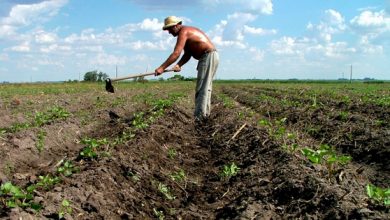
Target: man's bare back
{"points": [[197, 43], [192, 40]]}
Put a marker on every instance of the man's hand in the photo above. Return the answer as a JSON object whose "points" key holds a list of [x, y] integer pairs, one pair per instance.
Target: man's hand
{"points": [[176, 68], [158, 71]]}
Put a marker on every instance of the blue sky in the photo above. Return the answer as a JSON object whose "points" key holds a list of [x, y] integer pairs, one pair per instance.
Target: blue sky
{"points": [[263, 39]]}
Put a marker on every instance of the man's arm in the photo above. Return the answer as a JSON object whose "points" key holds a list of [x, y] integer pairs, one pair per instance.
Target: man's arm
{"points": [[181, 41]]}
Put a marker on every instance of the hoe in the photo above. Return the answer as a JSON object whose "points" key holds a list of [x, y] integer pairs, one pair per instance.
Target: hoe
{"points": [[110, 87]]}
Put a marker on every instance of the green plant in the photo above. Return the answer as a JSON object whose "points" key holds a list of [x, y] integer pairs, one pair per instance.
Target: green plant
{"points": [[229, 170], [41, 139], [47, 182], [164, 189], [226, 100], [178, 176], [91, 146], [159, 214], [64, 209], [134, 176], [172, 153], [139, 121], [378, 194], [55, 113], [67, 169], [327, 155], [12, 196]]}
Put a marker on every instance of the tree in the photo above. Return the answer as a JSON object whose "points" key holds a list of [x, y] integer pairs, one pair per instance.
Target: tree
{"points": [[93, 76], [177, 77]]}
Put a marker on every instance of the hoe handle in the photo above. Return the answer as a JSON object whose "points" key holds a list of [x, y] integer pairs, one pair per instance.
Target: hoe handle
{"points": [[137, 75]]}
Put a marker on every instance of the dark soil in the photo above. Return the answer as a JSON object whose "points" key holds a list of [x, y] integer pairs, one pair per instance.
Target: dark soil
{"points": [[271, 183]]}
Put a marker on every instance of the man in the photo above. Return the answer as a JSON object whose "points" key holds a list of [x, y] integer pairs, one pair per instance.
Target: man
{"points": [[195, 44]]}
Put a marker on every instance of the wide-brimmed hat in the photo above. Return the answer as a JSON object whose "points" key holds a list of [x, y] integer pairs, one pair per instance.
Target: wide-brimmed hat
{"points": [[171, 21]]}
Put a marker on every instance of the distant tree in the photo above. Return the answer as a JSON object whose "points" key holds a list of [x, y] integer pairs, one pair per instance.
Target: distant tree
{"points": [[93, 76], [177, 77]]}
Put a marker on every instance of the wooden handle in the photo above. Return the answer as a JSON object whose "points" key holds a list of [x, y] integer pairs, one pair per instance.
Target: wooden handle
{"points": [[137, 75]]}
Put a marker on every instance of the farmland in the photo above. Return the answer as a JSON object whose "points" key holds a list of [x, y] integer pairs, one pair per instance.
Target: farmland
{"points": [[269, 150]]}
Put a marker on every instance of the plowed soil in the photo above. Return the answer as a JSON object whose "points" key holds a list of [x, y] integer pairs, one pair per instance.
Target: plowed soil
{"points": [[128, 180]]}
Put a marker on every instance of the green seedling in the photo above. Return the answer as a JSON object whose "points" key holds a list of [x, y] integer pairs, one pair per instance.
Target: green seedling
{"points": [[67, 169], [64, 209], [172, 153], [226, 100], [178, 176], [264, 122], [327, 155], [343, 116], [164, 189], [91, 147], [134, 176], [41, 139], [55, 113], [159, 214], [47, 182], [12, 196], [229, 170], [378, 194], [139, 121]]}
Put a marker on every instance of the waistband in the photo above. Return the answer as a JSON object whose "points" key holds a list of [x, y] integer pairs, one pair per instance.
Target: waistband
{"points": [[209, 51]]}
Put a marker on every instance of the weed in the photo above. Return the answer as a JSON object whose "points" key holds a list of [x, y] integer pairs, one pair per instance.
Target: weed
{"points": [[67, 169], [64, 209], [164, 189], [178, 176], [326, 154], [229, 170], [12, 196], [47, 182], [139, 121], [55, 113], [159, 214], [264, 122], [378, 194], [226, 100], [172, 153], [91, 146], [134, 176], [41, 139]]}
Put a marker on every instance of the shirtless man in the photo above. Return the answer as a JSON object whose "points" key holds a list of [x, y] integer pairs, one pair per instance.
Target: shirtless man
{"points": [[195, 44]]}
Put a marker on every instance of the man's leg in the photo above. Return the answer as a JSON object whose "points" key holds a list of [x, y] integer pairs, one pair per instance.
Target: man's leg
{"points": [[207, 67]]}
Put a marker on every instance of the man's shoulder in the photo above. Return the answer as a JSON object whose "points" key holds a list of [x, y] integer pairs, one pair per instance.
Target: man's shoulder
{"points": [[189, 29]]}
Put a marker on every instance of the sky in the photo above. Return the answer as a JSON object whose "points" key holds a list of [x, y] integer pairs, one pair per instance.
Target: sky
{"points": [[56, 40]]}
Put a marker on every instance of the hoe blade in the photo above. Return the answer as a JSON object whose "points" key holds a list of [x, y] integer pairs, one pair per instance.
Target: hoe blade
{"points": [[109, 87]]}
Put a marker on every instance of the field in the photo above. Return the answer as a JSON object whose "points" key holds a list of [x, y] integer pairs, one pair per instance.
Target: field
{"points": [[270, 150]]}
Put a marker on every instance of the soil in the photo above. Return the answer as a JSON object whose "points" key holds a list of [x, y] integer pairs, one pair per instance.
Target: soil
{"points": [[271, 183]]}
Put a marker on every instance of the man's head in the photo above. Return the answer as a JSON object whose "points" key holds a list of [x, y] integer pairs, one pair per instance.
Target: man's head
{"points": [[171, 25]]}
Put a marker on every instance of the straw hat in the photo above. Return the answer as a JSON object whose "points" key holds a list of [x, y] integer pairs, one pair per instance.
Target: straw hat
{"points": [[171, 21]]}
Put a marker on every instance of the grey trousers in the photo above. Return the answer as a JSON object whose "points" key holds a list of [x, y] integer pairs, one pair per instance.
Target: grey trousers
{"points": [[207, 66]]}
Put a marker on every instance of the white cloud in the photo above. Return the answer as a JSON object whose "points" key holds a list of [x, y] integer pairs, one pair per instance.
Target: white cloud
{"points": [[249, 6], [373, 27], [258, 31], [150, 25], [142, 45], [43, 37], [284, 46], [24, 47], [259, 6], [55, 48], [257, 55], [369, 19], [28, 14], [332, 23], [107, 59]]}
